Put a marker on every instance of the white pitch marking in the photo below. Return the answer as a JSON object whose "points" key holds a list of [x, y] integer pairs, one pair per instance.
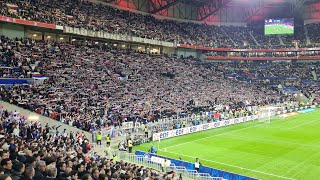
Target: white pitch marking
{"points": [[228, 132], [242, 168], [283, 142], [304, 124]]}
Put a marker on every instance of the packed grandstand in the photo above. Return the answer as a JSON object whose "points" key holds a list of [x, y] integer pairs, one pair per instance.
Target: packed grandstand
{"points": [[95, 85]]}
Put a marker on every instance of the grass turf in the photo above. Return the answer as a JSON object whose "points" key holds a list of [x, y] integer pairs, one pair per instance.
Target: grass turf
{"points": [[277, 29], [285, 148]]}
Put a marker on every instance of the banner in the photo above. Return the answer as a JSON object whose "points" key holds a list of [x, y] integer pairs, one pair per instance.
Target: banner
{"points": [[213, 125], [127, 125], [201, 127]]}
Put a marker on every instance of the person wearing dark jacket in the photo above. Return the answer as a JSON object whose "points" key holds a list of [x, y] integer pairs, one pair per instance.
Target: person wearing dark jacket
{"points": [[7, 165], [62, 175], [17, 171], [28, 173], [40, 170]]}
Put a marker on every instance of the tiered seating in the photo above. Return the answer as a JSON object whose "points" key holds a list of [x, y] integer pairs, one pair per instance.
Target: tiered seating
{"points": [[83, 14]]}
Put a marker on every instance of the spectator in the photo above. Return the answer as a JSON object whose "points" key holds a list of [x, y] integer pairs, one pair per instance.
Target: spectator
{"points": [[18, 170], [7, 165]]}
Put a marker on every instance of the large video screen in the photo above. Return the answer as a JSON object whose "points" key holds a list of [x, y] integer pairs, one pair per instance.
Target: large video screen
{"points": [[279, 26]]}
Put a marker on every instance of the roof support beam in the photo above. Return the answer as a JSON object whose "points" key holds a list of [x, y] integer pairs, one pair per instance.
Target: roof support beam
{"points": [[256, 10], [211, 8], [296, 6], [169, 4]]}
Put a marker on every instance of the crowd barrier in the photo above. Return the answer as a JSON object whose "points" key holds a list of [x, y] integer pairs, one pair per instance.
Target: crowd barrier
{"points": [[11, 81], [213, 125], [154, 158]]}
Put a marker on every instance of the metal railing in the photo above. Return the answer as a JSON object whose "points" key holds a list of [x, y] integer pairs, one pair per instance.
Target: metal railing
{"points": [[146, 161]]}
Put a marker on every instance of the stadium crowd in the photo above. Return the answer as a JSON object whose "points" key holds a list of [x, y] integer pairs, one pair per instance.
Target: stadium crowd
{"points": [[90, 87], [88, 15], [31, 151]]}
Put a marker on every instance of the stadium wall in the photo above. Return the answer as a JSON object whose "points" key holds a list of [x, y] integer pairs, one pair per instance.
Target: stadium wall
{"points": [[12, 30], [188, 52], [168, 50]]}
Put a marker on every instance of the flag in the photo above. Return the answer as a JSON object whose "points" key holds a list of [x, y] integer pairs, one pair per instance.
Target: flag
{"points": [[12, 8], [37, 75]]}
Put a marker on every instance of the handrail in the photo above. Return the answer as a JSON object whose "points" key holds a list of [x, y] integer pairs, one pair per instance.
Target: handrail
{"points": [[142, 160]]}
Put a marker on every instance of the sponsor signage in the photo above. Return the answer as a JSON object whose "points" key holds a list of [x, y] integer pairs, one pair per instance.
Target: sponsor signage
{"points": [[213, 125]]}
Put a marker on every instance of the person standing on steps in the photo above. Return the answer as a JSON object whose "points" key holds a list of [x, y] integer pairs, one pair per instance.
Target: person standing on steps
{"points": [[130, 145], [99, 138], [108, 138]]}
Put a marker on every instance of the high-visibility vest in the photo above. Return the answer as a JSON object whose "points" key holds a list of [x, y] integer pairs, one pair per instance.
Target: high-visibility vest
{"points": [[130, 143], [108, 139], [108, 150], [115, 158], [99, 137]]}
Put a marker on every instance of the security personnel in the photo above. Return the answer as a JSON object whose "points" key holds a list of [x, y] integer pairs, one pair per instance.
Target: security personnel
{"points": [[115, 158], [146, 131], [197, 165], [130, 145], [99, 138], [108, 138], [184, 123], [108, 151], [164, 165]]}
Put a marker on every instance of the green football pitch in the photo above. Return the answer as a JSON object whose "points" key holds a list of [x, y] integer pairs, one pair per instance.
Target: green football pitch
{"points": [[285, 148], [277, 29]]}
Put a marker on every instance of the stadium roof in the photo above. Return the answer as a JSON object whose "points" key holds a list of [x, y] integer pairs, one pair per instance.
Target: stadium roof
{"points": [[227, 10]]}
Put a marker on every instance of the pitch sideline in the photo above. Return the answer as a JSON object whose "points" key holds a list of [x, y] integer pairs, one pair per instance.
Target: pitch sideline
{"points": [[230, 165]]}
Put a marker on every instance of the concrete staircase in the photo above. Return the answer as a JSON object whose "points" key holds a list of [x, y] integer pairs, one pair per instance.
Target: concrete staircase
{"points": [[306, 34], [280, 39], [234, 43], [254, 39], [32, 116]]}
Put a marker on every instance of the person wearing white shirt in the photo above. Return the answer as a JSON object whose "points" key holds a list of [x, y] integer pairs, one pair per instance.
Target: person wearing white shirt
{"points": [[197, 165]]}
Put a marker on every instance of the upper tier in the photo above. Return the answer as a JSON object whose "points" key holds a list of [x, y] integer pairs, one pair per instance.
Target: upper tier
{"points": [[98, 17]]}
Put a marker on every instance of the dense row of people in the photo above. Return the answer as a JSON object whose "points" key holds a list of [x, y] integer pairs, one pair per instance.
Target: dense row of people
{"points": [[262, 54], [90, 87], [30, 151], [93, 16]]}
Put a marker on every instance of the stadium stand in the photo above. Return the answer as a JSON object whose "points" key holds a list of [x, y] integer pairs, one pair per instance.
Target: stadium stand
{"points": [[31, 151], [96, 86], [92, 16], [126, 84]]}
